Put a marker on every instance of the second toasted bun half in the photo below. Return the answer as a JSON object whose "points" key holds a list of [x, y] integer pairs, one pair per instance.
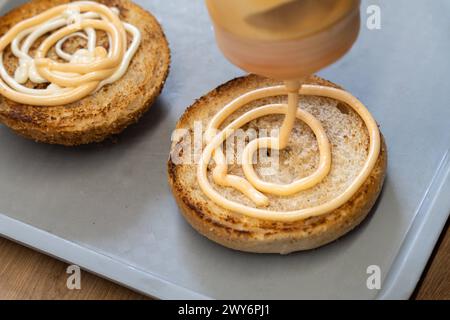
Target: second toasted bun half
{"points": [[112, 108], [349, 138]]}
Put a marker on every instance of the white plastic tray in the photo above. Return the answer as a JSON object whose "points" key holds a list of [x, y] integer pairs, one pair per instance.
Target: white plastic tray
{"points": [[108, 207]]}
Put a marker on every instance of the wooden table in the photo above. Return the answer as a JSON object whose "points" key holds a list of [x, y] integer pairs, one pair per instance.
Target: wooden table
{"points": [[27, 274]]}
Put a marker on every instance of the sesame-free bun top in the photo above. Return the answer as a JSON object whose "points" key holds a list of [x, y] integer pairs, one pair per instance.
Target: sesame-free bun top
{"points": [[349, 140]]}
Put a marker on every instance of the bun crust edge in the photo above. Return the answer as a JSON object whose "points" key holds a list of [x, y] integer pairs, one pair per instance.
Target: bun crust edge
{"points": [[282, 238]]}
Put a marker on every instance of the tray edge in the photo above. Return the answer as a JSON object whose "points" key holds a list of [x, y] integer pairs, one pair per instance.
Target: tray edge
{"points": [[421, 237], [95, 262]]}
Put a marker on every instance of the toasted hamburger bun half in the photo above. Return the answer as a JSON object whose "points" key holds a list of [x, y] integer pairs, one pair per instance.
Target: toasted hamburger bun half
{"points": [[349, 138], [109, 110]]}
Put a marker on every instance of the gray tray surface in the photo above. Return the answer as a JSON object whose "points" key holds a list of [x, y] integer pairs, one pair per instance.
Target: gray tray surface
{"points": [[109, 209]]}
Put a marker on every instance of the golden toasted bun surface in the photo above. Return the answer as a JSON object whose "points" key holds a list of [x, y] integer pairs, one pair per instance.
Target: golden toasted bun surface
{"points": [[106, 112], [349, 139]]}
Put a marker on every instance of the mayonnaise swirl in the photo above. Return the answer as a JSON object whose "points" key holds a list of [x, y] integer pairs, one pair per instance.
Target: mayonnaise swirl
{"points": [[83, 72], [252, 186]]}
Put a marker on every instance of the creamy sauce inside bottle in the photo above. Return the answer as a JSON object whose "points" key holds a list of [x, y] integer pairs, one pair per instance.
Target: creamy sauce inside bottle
{"points": [[280, 19], [284, 39]]}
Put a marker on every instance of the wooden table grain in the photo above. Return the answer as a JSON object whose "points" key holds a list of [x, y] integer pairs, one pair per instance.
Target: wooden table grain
{"points": [[27, 274]]}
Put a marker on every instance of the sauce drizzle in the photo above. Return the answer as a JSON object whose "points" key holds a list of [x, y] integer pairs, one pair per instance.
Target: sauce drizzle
{"points": [[252, 186], [82, 73]]}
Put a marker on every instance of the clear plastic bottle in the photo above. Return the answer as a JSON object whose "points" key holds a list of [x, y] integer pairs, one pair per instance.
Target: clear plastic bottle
{"points": [[284, 39]]}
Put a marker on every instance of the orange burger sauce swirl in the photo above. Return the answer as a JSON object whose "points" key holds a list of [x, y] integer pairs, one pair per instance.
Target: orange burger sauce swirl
{"points": [[255, 188], [86, 71]]}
